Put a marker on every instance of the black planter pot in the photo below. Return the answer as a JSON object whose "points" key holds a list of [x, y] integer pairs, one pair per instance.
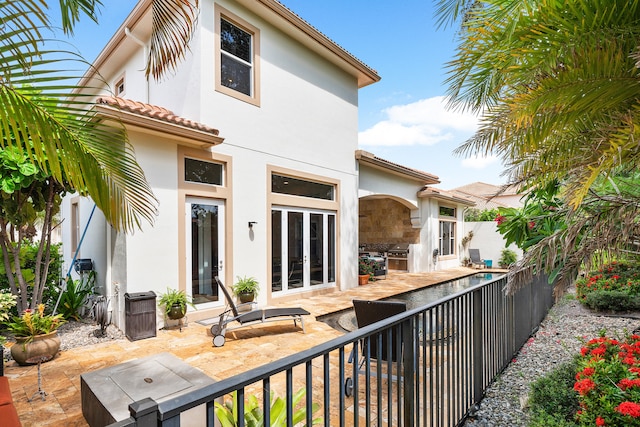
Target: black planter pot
{"points": [[177, 311], [245, 297]]}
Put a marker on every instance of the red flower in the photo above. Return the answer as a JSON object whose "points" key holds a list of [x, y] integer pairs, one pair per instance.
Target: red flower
{"points": [[600, 351], [629, 408], [532, 224], [584, 351], [584, 386], [600, 421], [500, 219], [627, 383]]}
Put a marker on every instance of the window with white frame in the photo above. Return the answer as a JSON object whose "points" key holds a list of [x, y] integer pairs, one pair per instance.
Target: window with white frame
{"points": [[447, 238], [237, 52]]}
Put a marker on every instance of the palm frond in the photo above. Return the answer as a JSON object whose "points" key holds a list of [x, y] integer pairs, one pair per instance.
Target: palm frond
{"points": [[173, 24]]}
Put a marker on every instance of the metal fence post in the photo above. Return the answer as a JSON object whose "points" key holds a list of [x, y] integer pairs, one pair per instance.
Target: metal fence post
{"points": [[145, 412], [478, 345], [409, 362]]}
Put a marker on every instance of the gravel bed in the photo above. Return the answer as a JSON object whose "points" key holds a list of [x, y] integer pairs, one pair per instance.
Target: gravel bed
{"points": [[559, 338], [78, 334]]}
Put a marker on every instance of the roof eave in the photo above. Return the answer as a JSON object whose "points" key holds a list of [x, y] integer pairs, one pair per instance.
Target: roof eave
{"points": [[297, 27], [184, 135], [432, 194], [375, 162]]}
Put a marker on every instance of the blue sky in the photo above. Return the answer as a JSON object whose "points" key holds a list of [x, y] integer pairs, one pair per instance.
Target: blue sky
{"points": [[402, 118]]}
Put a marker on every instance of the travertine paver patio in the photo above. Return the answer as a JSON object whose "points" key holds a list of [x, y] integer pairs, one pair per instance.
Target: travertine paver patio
{"points": [[245, 349]]}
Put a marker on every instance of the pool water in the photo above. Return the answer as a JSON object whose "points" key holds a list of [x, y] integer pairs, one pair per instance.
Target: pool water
{"points": [[345, 321]]}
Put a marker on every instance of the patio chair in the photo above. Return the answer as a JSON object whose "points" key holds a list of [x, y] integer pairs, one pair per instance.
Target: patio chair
{"points": [[367, 313], [247, 318], [474, 256]]}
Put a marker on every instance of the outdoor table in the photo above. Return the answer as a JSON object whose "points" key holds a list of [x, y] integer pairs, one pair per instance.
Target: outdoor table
{"points": [[107, 393]]}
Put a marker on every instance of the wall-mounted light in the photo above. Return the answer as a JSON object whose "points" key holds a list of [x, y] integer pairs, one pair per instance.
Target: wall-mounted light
{"points": [[251, 224]]}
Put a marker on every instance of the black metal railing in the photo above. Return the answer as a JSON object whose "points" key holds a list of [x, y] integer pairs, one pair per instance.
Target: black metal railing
{"points": [[449, 352]]}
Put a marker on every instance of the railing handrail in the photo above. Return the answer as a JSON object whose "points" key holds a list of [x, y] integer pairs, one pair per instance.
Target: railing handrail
{"points": [[207, 394]]}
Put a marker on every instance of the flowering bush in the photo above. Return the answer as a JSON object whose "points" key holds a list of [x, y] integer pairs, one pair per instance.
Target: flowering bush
{"points": [[608, 382], [612, 280], [33, 323]]}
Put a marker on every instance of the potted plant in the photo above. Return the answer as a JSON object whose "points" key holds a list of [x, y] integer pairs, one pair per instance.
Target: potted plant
{"points": [[175, 303], [36, 336], [246, 289], [366, 271]]}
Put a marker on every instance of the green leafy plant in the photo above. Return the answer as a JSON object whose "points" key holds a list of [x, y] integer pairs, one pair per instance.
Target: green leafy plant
{"points": [[507, 258], [74, 297], [7, 302], [34, 322], [175, 297], [552, 400], [227, 413], [615, 286], [612, 301], [246, 285], [366, 267], [477, 215], [608, 382]]}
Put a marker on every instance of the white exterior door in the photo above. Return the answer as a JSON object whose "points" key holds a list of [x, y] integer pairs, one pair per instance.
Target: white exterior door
{"points": [[303, 249]]}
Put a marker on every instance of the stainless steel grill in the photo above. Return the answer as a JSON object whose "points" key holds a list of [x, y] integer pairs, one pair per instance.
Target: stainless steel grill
{"points": [[397, 257]]}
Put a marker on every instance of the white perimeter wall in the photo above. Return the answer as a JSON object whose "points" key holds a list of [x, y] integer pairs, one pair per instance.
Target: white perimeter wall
{"points": [[488, 240]]}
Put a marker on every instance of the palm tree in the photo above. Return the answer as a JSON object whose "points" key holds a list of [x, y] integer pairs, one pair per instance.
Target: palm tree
{"points": [[556, 85], [45, 118], [68, 139]]}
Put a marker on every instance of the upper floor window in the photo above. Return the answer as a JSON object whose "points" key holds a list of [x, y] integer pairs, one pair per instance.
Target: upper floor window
{"points": [[237, 52], [300, 187], [120, 86], [203, 172]]}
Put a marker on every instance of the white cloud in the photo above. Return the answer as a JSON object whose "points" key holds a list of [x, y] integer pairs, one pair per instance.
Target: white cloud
{"points": [[478, 162], [425, 122]]}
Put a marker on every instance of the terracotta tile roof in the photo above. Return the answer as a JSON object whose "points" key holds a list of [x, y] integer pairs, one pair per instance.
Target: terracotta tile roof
{"points": [[154, 112]]}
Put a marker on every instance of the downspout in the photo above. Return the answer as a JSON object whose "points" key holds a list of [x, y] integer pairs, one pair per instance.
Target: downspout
{"points": [[145, 51]]}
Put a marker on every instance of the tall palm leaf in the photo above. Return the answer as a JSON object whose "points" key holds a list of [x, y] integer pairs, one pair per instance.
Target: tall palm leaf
{"points": [[556, 82], [68, 138]]}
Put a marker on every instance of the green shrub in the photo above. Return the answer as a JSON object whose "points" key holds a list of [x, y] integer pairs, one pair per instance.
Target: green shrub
{"points": [[227, 412], [75, 295], [612, 301], [542, 419], [507, 258], [607, 382], [28, 254], [615, 286], [552, 400]]}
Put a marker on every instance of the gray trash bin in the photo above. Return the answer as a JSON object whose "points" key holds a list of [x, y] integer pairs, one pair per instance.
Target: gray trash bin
{"points": [[140, 315]]}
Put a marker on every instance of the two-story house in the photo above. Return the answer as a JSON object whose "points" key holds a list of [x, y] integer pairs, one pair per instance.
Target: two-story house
{"points": [[250, 147]]}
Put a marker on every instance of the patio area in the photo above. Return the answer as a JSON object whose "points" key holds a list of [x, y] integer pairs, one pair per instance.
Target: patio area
{"points": [[256, 346]]}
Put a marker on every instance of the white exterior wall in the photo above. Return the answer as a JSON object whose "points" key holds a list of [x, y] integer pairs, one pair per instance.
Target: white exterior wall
{"points": [[92, 245], [488, 240], [306, 122]]}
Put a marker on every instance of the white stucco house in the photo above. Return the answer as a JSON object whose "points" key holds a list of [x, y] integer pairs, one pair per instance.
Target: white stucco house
{"points": [[251, 148]]}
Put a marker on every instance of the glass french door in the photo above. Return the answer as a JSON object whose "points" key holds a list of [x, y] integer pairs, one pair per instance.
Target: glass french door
{"points": [[205, 250], [303, 249]]}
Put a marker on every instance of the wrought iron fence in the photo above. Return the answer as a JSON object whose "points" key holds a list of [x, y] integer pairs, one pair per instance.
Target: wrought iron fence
{"points": [[433, 374]]}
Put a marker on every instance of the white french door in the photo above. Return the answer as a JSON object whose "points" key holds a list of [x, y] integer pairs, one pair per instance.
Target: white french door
{"points": [[303, 249], [205, 250]]}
